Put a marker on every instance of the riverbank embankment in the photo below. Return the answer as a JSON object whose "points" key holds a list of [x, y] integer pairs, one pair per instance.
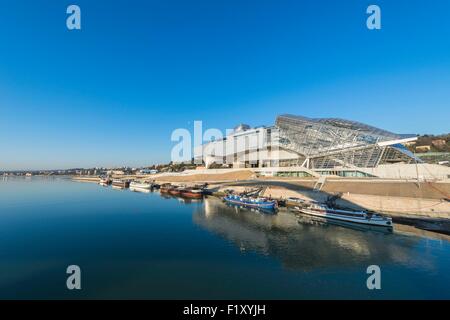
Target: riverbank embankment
{"points": [[424, 204]]}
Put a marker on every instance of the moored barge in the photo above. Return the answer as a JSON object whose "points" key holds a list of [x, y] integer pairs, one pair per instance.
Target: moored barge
{"points": [[192, 193], [120, 183], [175, 191], [259, 203], [361, 217]]}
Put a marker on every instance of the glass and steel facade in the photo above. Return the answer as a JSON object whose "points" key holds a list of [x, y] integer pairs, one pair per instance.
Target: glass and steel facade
{"points": [[329, 143], [315, 144]]}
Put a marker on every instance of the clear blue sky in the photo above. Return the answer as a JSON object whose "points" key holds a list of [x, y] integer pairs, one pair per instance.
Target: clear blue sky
{"points": [[112, 93]]}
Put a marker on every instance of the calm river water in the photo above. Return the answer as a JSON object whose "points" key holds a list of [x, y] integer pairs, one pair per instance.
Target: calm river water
{"points": [[138, 245]]}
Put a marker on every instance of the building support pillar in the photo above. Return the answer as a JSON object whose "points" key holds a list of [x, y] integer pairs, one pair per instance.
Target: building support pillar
{"points": [[305, 163]]}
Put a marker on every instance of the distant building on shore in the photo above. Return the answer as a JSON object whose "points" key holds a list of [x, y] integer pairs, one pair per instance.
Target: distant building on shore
{"points": [[439, 143], [148, 171], [423, 148], [116, 172]]}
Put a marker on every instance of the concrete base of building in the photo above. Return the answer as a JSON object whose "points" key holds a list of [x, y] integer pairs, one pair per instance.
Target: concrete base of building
{"points": [[413, 172], [418, 172]]}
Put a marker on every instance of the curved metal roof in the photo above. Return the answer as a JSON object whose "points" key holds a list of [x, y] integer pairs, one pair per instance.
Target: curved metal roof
{"points": [[345, 124]]}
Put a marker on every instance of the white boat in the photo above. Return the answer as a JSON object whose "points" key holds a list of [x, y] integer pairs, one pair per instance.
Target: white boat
{"points": [[140, 185], [140, 190], [362, 217], [260, 203], [104, 181]]}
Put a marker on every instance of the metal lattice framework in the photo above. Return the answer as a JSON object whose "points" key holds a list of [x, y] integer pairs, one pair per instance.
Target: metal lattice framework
{"points": [[331, 142]]}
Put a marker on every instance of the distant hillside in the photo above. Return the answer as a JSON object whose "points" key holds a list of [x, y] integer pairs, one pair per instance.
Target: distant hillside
{"points": [[431, 143]]}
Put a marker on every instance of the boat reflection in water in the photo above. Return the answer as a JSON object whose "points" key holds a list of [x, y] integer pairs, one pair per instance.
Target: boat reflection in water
{"points": [[142, 190], [188, 200], [180, 199], [310, 220], [256, 210], [304, 244]]}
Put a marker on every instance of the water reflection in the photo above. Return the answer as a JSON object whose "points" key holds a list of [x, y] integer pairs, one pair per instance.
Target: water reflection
{"points": [[180, 199], [151, 248], [303, 244], [319, 221], [141, 190]]}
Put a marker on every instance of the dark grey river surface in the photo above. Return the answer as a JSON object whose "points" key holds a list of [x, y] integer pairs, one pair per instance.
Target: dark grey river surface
{"points": [[138, 245]]}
